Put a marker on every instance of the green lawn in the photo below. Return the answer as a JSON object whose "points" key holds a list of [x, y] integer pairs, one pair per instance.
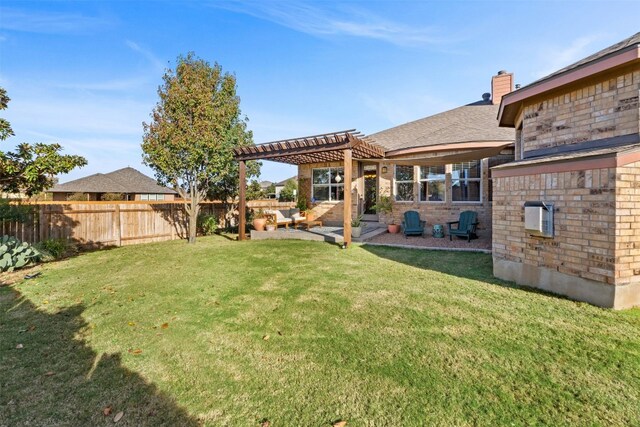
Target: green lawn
{"points": [[306, 334]]}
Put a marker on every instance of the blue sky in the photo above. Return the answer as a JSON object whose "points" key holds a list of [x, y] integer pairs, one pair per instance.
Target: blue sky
{"points": [[85, 73]]}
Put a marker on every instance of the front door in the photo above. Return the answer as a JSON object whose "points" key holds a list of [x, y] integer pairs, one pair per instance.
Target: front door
{"points": [[370, 192]]}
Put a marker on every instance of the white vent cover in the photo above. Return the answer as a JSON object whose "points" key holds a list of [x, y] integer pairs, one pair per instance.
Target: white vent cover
{"points": [[538, 218]]}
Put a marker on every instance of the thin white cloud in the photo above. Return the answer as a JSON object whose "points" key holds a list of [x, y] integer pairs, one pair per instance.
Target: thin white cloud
{"points": [[307, 18], [153, 59], [558, 57], [399, 108], [50, 22]]}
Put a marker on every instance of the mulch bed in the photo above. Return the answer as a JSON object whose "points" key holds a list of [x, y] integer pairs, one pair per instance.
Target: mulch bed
{"points": [[482, 242]]}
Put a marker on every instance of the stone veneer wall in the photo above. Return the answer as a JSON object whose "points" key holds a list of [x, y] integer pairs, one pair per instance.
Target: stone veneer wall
{"points": [[584, 222], [438, 212], [602, 109], [627, 231], [328, 212], [432, 212]]}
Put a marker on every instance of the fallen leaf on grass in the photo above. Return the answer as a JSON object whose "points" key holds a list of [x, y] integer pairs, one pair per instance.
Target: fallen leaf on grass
{"points": [[32, 328], [265, 423], [136, 351], [106, 411], [45, 302], [49, 374], [118, 416], [20, 346], [164, 326], [132, 324], [279, 333], [266, 337], [340, 424]]}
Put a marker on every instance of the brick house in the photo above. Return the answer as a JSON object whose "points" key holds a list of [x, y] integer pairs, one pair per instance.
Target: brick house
{"points": [[577, 151], [438, 165]]}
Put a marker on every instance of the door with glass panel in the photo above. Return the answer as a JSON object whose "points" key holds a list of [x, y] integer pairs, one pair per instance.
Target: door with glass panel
{"points": [[370, 173]]}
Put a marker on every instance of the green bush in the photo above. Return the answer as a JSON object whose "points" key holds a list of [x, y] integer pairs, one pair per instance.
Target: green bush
{"points": [[15, 254], [56, 248], [207, 224]]}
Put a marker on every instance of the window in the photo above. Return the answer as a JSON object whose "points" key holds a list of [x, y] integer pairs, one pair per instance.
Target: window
{"points": [[151, 197], [328, 184], [465, 181], [404, 183], [432, 183]]}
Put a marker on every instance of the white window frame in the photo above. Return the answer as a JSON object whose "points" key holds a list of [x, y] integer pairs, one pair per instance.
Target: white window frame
{"points": [[396, 182], [328, 185], [467, 180], [427, 181], [148, 197]]}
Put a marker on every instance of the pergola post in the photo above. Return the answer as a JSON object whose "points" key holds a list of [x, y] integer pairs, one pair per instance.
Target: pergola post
{"points": [[348, 167], [242, 194]]}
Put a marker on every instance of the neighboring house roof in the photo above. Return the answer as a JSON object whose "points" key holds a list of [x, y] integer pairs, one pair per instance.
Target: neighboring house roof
{"points": [[282, 183], [470, 123], [127, 180], [620, 54]]}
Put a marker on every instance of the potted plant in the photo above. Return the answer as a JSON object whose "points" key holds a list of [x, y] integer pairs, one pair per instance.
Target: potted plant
{"points": [[259, 220], [356, 226], [385, 205], [309, 214], [271, 223]]}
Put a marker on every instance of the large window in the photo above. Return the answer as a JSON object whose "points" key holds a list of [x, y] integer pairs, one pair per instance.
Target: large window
{"points": [[404, 183], [432, 183], [328, 184], [465, 181], [151, 196]]}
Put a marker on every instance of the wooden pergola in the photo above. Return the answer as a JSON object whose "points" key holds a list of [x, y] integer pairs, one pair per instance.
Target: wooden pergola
{"points": [[343, 146]]}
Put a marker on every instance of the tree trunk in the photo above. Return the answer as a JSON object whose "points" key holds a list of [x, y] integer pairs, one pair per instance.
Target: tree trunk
{"points": [[193, 219]]}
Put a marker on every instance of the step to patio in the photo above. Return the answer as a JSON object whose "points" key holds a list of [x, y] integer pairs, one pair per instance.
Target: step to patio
{"points": [[370, 232]]}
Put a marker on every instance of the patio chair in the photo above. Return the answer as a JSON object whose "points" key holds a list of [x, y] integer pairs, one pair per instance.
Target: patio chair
{"points": [[280, 218], [466, 226], [412, 224]]}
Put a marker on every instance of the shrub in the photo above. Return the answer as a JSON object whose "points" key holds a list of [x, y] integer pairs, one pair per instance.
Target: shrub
{"points": [[78, 197], [56, 248], [207, 224], [112, 197], [15, 254]]}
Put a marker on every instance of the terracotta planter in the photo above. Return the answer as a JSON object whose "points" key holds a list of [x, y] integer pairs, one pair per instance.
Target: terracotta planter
{"points": [[393, 228], [259, 223]]}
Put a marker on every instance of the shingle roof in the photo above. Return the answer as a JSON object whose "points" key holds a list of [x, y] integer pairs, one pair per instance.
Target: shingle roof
{"points": [[282, 183], [469, 123], [126, 180], [573, 155], [621, 45]]}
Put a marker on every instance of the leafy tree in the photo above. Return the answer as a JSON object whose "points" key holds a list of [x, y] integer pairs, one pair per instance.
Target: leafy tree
{"points": [[195, 126], [271, 190], [254, 191], [31, 168], [287, 193]]}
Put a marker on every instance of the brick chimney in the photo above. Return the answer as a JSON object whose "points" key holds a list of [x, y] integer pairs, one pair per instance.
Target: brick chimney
{"points": [[501, 84]]}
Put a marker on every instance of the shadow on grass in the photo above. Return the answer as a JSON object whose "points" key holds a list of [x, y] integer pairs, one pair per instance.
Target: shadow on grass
{"points": [[468, 265], [50, 376]]}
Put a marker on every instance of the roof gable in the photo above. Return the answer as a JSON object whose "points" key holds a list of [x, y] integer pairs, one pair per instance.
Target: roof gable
{"points": [[126, 180]]}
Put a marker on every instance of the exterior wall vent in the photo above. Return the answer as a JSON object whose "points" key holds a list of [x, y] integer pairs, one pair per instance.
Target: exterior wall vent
{"points": [[538, 219]]}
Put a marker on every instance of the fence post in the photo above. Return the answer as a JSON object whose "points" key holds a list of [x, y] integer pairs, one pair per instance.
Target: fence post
{"points": [[172, 221], [117, 226], [42, 224]]}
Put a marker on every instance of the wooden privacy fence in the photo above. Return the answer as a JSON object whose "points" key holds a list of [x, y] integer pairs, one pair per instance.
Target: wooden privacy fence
{"points": [[101, 224]]}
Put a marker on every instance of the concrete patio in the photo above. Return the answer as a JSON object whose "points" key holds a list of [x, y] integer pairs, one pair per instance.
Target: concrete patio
{"points": [[323, 234]]}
